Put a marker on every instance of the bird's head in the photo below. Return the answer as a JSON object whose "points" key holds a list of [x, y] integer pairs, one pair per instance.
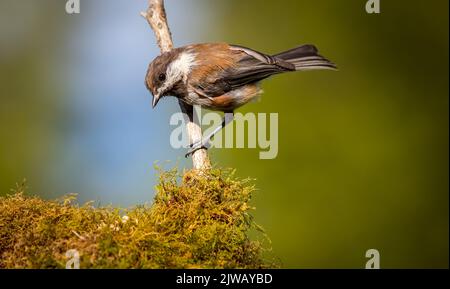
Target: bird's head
{"points": [[168, 70]]}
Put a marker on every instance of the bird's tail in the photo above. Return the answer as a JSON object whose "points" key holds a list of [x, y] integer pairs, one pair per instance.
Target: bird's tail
{"points": [[305, 57]]}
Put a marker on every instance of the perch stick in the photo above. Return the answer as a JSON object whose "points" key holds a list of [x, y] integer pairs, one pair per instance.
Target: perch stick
{"points": [[156, 17]]}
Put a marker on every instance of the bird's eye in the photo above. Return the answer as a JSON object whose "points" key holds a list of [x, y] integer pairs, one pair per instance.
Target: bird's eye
{"points": [[162, 77]]}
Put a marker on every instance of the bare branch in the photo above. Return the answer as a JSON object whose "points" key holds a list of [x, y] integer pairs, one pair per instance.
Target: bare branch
{"points": [[156, 17]]}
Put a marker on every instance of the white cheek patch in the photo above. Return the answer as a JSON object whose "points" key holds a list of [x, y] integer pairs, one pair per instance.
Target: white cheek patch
{"points": [[183, 64], [177, 70]]}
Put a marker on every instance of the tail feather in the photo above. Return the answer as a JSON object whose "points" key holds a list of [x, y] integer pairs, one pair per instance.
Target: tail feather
{"points": [[306, 57]]}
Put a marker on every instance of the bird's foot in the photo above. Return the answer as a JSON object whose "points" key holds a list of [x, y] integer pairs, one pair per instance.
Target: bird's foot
{"points": [[201, 144]]}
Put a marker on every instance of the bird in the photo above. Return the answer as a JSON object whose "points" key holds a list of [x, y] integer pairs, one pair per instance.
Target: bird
{"points": [[222, 76]]}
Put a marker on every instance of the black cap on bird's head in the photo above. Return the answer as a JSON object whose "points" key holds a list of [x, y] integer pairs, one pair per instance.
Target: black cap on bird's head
{"points": [[156, 79]]}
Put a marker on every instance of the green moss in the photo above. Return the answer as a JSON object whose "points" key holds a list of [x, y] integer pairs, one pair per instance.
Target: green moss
{"points": [[194, 222]]}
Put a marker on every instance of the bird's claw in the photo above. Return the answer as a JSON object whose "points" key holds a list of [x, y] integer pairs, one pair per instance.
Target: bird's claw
{"points": [[195, 147]]}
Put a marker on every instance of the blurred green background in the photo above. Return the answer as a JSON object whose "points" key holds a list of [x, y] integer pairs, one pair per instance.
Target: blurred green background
{"points": [[363, 152]]}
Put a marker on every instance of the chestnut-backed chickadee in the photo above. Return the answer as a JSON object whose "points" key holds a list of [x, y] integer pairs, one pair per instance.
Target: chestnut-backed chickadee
{"points": [[222, 77]]}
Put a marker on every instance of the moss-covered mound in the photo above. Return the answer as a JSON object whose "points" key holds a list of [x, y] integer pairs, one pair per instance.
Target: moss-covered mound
{"points": [[194, 222]]}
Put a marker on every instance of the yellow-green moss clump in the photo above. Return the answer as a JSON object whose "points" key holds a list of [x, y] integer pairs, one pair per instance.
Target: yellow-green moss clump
{"points": [[194, 222]]}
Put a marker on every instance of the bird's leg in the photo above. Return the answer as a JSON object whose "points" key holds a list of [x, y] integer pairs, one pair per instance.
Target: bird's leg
{"points": [[205, 142]]}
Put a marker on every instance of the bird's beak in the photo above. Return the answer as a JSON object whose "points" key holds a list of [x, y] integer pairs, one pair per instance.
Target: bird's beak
{"points": [[155, 99]]}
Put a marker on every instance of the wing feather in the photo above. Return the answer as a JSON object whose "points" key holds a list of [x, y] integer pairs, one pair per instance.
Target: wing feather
{"points": [[255, 66], [221, 68]]}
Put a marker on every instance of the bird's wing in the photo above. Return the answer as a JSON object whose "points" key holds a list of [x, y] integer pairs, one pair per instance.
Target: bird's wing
{"points": [[254, 66], [206, 79], [222, 68]]}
